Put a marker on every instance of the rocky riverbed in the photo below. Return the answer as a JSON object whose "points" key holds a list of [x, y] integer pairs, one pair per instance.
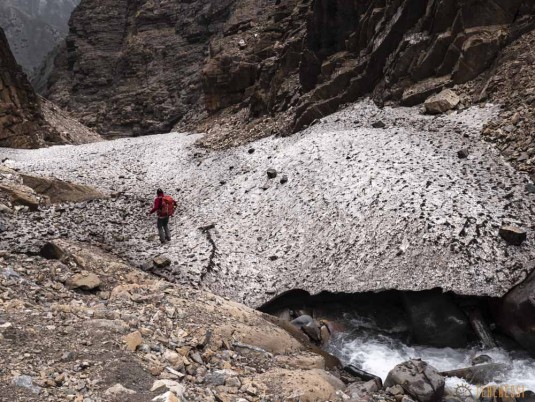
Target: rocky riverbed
{"points": [[365, 199]]}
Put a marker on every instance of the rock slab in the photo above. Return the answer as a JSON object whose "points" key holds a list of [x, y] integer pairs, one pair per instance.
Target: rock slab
{"points": [[442, 102]]}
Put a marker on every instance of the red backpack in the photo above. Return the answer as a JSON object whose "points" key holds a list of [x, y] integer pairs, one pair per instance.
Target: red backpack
{"points": [[168, 206]]}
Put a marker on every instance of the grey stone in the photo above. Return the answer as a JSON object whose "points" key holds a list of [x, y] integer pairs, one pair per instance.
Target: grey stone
{"points": [[463, 153], [25, 381], [302, 320], [418, 379], [219, 377]]}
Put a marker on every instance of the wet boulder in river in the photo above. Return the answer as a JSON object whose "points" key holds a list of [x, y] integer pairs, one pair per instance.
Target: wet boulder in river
{"points": [[418, 379], [313, 331], [435, 319], [481, 359], [480, 374]]}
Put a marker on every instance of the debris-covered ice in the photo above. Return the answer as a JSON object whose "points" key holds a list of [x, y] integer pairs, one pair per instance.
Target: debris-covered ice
{"points": [[363, 208]]}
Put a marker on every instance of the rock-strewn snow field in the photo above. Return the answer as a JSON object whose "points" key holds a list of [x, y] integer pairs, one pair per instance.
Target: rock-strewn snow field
{"points": [[364, 208]]}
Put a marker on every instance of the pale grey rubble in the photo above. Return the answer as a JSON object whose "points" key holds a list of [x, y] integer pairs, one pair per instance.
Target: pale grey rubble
{"points": [[364, 209]]}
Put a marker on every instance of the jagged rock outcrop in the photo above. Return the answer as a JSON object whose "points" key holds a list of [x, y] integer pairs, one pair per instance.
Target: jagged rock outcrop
{"points": [[34, 28], [22, 123], [406, 51]]}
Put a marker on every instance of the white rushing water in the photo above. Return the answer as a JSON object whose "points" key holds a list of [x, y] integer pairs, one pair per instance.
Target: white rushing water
{"points": [[377, 353]]}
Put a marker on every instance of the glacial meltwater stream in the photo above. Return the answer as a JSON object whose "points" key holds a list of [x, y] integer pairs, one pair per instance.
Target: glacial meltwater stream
{"points": [[377, 352]]}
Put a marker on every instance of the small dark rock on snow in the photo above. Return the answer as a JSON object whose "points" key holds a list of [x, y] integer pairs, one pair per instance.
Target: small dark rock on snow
{"points": [[271, 173], [463, 154], [513, 235], [378, 124]]}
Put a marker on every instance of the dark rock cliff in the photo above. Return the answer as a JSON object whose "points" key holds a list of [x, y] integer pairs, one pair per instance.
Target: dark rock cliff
{"points": [[26, 120], [132, 67], [22, 124]]}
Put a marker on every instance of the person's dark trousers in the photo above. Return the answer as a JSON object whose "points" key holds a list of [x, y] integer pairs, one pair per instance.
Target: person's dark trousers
{"points": [[163, 229]]}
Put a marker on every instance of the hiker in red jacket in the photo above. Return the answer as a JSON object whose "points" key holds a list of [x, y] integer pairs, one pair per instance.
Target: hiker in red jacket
{"points": [[164, 206]]}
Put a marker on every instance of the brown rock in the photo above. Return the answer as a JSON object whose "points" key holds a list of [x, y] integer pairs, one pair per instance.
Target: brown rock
{"points": [[89, 281], [442, 102], [311, 385], [21, 195], [133, 340], [161, 261], [59, 191]]}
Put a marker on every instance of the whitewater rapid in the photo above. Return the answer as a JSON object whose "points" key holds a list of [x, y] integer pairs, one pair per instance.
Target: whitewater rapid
{"points": [[378, 353]]}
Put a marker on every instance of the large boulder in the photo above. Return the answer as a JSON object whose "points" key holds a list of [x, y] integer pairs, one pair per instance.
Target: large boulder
{"points": [[418, 379], [515, 313], [59, 191], [442, 102], [435, 319]]}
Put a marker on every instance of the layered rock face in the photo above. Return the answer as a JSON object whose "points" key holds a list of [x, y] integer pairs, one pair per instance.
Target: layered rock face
{"points": [[131, 68], [134, 68], [34, 28], [21, 121]]}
